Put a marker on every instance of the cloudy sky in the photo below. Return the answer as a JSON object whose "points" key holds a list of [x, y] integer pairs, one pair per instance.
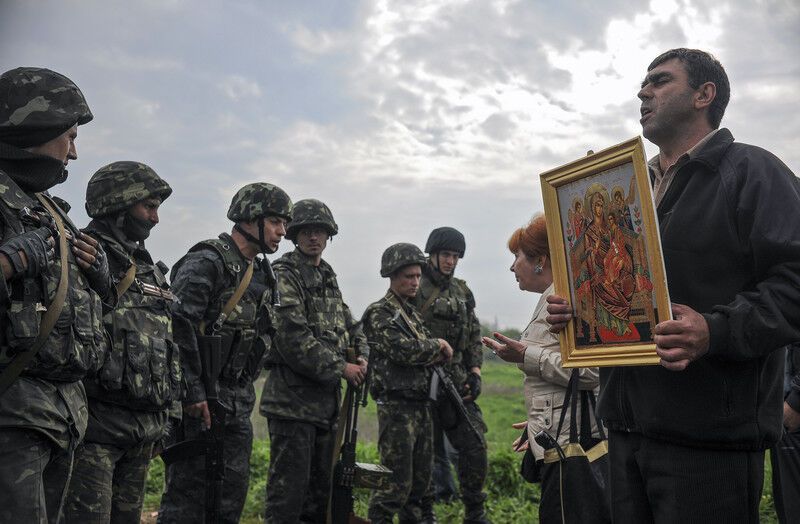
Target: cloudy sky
{"points": [[402, 116]]}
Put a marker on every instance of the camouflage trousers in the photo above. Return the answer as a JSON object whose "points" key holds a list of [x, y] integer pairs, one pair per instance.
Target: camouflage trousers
{"points": [[299, 472], [185, 491], [107, 484], [33, 477], [472, 465], [405, 443]]}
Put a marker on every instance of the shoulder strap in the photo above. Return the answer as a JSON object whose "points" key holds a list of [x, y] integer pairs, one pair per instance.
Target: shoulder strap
{"points": [[15, 368], [12, 195], [127, 280], [393, 299], [231, 303], [427, 304]]}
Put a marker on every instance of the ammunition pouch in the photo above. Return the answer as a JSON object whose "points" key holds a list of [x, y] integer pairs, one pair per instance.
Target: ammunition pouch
{"points": [[372, 476]]}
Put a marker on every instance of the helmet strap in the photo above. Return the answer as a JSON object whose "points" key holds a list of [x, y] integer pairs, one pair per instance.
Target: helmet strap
{"points": [[262, 246]]}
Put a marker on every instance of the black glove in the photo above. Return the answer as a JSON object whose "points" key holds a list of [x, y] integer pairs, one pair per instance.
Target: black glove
{"points": [[98, 274], [39, 252], [474, 383]]}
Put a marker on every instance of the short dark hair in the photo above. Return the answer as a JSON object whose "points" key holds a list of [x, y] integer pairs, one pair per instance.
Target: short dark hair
{"points": [[702, 67]]}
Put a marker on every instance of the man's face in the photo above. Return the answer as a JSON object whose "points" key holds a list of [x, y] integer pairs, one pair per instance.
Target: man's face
{"points": [[446, 261], [667, 102], [312, 240], [146, 209], [61, 147], [405, 281], [274, 231]]}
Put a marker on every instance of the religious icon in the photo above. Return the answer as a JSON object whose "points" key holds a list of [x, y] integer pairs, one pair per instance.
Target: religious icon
{"points": [[606, 255]]}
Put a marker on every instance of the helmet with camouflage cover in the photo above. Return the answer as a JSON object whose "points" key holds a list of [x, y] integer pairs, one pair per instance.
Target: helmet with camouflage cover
{"points": [[446, 239], [259, 200], [400, 255], [311, 212], [119, 185], [37, 105]]}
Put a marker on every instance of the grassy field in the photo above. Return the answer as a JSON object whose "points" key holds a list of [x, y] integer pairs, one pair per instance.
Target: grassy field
{"points": [[511, 500]]}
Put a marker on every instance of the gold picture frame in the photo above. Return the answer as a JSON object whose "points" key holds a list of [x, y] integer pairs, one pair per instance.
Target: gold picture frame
{"points": [[605, 251]]}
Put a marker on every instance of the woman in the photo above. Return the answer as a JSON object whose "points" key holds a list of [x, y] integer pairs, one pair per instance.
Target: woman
{"points": [[537, 353]]}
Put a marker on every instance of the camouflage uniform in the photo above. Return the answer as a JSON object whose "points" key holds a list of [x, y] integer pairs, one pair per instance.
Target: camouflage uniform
{"points": [[129, 398], [400, 358], [43, 413], [314, 328], [447, 307], [204, 280]]}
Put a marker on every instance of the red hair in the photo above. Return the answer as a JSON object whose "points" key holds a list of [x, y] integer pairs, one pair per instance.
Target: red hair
{"points": [[531, 239]]}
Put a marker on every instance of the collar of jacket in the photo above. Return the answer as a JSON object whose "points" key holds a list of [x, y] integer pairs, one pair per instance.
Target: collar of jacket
{"points": [[437, 277], [711, 155], [300, 258]]}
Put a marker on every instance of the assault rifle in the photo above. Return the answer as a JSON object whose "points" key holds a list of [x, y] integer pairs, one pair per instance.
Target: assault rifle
{"points": [[441, 377], [211, 444], [347, 473]]}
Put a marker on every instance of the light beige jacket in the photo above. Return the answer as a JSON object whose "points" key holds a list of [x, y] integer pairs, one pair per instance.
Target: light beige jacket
{"points": [[545, 380]]}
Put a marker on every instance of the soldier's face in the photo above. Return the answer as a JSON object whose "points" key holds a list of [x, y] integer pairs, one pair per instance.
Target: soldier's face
{"points": [[405, 281], [61, 147], [274, 231], [312, 241], [446, 261], [146, 209]]}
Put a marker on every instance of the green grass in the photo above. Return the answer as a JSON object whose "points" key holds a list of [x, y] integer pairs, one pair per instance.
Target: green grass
{"points": [[511, 500]]}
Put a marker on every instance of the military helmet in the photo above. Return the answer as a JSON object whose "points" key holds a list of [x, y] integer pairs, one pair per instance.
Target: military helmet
{"points": [[311, 212], [37, 105], [119, 185], [400, 255], [446, 238], [259, 200]]}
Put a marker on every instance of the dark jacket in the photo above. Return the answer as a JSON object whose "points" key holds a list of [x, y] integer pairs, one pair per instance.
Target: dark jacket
{"points": [[731, 243]]}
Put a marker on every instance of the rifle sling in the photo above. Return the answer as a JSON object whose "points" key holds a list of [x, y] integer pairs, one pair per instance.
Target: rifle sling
{"points": [[430, 300], [233, 301], [18, 364], [127, 280], [406, 318]]}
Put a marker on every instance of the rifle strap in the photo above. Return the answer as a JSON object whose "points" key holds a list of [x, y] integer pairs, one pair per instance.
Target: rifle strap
{"points": [[233, 301], [127, 280], [430, 300], [394, 300], [15, 368]]}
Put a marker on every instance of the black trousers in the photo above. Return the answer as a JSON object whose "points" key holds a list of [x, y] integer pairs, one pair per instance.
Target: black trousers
{"points": [[659, 482], [785, 458]]}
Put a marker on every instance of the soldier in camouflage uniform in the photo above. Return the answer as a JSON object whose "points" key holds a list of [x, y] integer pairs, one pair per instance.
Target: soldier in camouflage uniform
{"points": [[129, 398], [306, 364], [204, 280], [402, 353], [447, 307], [43, 411]]}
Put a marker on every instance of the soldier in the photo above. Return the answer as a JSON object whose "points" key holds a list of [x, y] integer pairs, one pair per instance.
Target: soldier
{"points": [[306, 364], [447, 307], [402, 353], [128, 399], [205, 280], [54, 279]]}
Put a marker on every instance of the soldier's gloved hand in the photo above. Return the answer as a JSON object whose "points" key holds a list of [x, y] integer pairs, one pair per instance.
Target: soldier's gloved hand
{"points": [[92, 259], [474, 385], [31, 252]]}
